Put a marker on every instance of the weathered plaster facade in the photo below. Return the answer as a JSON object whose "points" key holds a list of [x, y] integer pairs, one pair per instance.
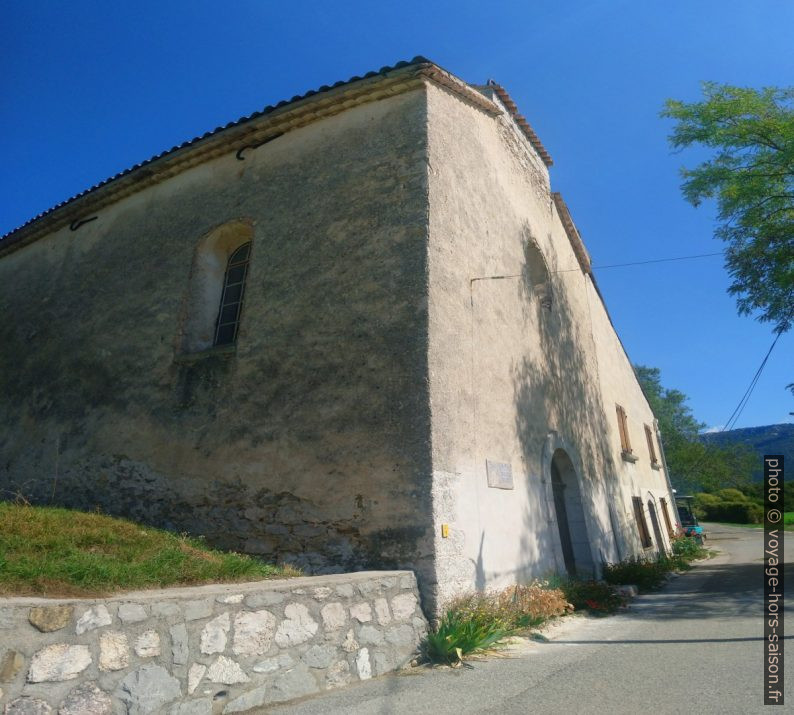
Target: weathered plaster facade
{"points": [[416, 306]]}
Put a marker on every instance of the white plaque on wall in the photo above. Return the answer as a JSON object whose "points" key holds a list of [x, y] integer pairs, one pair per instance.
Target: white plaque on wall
{"points": [[500, 474]]}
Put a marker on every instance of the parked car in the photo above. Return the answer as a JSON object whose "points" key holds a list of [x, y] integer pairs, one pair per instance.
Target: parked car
{"points": [[688, 520]]}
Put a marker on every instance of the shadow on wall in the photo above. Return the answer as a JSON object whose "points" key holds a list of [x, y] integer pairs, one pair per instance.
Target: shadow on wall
{"points": [[557, 390]]}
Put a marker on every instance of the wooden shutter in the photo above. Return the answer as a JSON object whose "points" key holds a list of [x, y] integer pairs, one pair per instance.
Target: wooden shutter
{"points": [[623, 427], [651, 448], [642, 526]]}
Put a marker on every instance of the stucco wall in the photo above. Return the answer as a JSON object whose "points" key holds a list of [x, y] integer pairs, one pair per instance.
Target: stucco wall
{"points": [[512, 381], [309, 443], [414, 310], [204, 650]]}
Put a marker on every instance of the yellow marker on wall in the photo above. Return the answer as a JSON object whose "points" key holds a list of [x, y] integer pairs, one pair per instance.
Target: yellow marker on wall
{"points": [[445, 531]]}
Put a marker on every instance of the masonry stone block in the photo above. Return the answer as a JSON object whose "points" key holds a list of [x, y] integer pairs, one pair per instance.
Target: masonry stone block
{"points": [[147, 645], [180, 652], [297, 627], [10, 665], [338, 675], [213, 636], [147, 689], [57, 662], [86, 699], [225, 670], [362, 612], [253, 632], [50, 618], [403, 606], [370, 635], [94, 617], [194, 676], [363, 665], [194, 610], [294, 683], [28, 706], [334, 616], [113, 650], [131, 613]]}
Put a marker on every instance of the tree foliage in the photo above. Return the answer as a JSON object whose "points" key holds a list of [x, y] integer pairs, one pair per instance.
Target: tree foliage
{"points": [[693, 465], [751, 176]]}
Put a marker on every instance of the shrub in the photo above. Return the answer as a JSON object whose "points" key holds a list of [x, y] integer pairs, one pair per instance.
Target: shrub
{"points": [[527, 606], [461, 633], [729, 505], [687, 548], [471, 624], [645, 574], [477, 622], [594, 596], [732, 495], [734, 512]]}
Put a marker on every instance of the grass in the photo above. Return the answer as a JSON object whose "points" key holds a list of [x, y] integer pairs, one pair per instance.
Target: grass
{"points": [[788, 520], [48, 551], [476, 623]]}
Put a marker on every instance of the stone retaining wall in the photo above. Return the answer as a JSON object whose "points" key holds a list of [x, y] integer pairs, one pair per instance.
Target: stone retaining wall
{"points": [[207, 649]]}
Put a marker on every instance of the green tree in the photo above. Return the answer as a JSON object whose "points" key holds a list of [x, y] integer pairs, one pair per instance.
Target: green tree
{"points": [[693, 464], [751, 176]]}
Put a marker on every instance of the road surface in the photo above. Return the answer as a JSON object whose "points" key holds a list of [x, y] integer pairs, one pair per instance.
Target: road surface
{"points": [[694, 647]]}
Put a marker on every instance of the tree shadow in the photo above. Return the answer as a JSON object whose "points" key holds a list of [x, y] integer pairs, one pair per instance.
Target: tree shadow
{"points": [[557, 393]]}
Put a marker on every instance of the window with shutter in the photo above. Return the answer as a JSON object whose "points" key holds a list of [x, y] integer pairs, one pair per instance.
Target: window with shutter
{"points": [[642, 526], [651, 448]]}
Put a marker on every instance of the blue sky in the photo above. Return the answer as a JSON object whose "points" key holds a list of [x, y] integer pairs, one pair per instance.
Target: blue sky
{"points": [[89, 88]]}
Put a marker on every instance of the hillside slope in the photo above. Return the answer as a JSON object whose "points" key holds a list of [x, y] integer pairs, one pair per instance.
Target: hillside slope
{"points": [[769, 439]]}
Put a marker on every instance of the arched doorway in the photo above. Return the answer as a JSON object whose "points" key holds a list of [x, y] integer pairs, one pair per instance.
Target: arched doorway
{"points": [[657, 532], [570, 516]]}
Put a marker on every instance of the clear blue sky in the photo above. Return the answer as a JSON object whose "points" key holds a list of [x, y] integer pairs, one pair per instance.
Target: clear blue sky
{"points": [[90, 88]]}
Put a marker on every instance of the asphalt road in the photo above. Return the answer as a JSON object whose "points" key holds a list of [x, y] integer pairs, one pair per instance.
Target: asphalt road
{"points": [[694, 647]]}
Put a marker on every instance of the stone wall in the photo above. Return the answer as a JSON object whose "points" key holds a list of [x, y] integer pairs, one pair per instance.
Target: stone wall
{"points": [[207, 649], [525, 369], [306, 443]]}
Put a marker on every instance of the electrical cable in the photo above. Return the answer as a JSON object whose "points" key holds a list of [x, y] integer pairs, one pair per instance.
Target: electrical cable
{"points": [[749, 391]]}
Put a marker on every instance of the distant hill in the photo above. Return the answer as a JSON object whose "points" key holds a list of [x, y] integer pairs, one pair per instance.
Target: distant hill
{"points": [[771, 439]]}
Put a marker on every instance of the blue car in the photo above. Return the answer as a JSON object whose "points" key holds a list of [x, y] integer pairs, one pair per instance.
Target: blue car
{"points": [[688, 520]]}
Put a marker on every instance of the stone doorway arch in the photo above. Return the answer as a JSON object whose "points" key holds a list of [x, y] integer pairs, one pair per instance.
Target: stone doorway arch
{"points": [[657, 532], [569, 515]]}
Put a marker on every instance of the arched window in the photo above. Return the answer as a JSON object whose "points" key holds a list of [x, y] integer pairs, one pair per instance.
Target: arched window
{"points": [[232, 297], [536, 272], [211, 313]]}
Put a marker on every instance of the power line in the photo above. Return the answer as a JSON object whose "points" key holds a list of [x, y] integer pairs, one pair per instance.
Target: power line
{"points": [[611, 265], [643, 263], [749, 391]]}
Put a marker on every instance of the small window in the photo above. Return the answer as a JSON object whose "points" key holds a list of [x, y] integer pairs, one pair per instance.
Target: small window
{"points": [[666, 516], [232, 296], [651, 448], [642, 526], [623, 427]]}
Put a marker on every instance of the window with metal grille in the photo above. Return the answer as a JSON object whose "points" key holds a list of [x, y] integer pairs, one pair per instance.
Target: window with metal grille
{"points": [[232, 296], [666, 516], [642, 526], [651, 448], [623, 428]]}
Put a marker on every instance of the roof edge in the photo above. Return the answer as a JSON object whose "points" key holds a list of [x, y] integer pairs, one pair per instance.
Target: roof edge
{"points": [[579, 249], [248, 132], [520, 119]]}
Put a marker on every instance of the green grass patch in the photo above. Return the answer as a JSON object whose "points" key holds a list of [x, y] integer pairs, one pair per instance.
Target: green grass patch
{"points": [[49, 551], [477, 623]]}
